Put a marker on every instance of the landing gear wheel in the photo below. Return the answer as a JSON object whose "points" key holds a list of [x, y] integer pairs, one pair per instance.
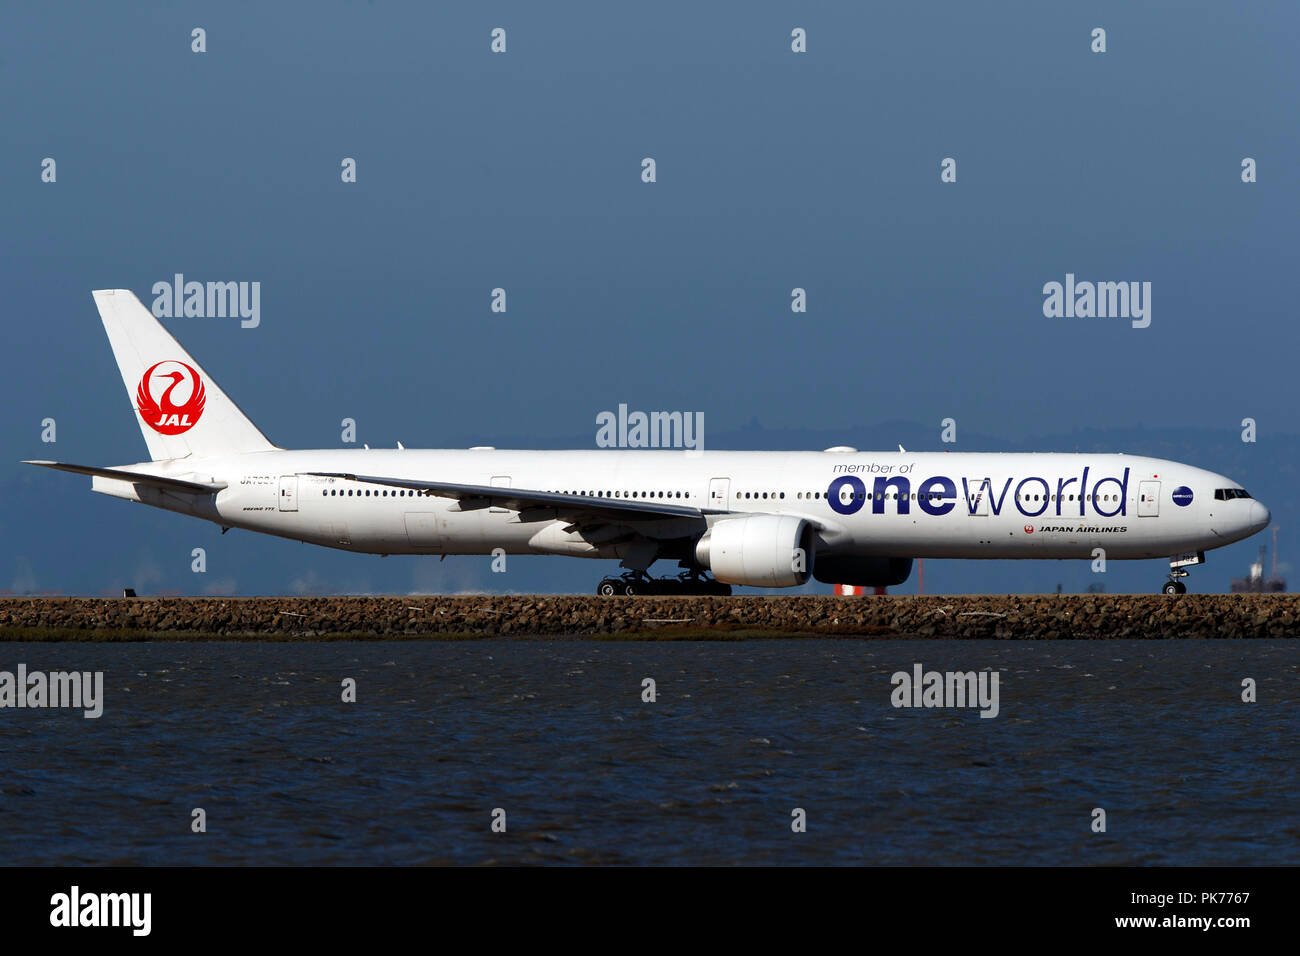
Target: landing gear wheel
{"points": [[1178, 566], [638, 583]]}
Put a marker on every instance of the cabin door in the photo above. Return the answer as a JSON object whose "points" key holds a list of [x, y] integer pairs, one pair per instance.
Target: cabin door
{"points": [[1148, 499], [288, 492], [719, 492]]}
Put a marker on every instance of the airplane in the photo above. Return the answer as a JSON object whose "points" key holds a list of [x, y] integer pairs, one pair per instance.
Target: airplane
{"points": [[745, 518]]}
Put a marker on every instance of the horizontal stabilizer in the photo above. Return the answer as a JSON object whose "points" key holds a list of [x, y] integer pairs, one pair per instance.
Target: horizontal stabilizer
{"points": [[136, 477]]}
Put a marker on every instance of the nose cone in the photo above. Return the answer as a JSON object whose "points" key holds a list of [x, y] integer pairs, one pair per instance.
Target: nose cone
{"points": [[1259, 517]]}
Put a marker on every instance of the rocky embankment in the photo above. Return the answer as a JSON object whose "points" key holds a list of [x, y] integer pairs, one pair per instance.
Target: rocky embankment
{"points": [[1008, 617]]}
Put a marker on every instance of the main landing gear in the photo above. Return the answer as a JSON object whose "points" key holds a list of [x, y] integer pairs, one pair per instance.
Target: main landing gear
{"points": [[1178, 566], [638, 582]]}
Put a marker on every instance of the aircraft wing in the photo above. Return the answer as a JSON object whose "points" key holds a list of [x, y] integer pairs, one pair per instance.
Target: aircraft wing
{"points": [[137, 477], [580, 509]]}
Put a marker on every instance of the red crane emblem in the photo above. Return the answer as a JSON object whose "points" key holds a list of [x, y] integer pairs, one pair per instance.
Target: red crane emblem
{"points": [[165, 416]]}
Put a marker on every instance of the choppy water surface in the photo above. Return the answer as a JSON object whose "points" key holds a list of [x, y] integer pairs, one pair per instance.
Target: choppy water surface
{"points": [[556, 734]]}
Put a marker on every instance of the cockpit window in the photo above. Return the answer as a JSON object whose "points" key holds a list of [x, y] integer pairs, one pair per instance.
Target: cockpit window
{"points": [[1227, 494]]}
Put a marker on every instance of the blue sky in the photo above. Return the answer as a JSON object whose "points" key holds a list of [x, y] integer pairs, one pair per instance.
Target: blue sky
{"points": [[522, 170]]}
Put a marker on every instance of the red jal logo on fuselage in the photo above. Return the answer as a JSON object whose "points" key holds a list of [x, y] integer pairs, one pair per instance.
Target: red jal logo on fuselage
{"points": [[163, 415]]}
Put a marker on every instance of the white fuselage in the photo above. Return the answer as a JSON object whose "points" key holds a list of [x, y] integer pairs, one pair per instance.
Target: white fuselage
{"points": [[895, 504]]}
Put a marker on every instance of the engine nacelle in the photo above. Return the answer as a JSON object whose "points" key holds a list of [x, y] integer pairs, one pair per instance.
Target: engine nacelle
{"points": [[762, 551], [864, 572]]}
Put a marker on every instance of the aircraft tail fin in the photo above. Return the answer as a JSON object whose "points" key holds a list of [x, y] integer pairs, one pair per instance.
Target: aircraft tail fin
{"points": [[180, 409]]}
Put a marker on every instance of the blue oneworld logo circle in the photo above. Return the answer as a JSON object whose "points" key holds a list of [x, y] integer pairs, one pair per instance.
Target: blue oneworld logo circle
{"points": [[1182, 496]]}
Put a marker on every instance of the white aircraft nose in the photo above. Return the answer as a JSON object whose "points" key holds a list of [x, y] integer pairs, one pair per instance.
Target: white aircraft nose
{"points": [[1259, 516]]}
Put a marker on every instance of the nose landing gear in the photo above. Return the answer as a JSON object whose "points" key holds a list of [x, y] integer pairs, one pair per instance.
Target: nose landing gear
{"points": [[1178, 565]]}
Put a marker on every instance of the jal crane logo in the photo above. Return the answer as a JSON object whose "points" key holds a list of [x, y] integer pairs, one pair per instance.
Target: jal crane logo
{"points": [[163, 414]]}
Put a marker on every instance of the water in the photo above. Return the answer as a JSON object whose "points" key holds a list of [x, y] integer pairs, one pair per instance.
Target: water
{"points": [[556, 734]]}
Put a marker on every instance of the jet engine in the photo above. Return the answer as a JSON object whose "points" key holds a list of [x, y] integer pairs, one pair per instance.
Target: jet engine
{"points": [[764, 551]]}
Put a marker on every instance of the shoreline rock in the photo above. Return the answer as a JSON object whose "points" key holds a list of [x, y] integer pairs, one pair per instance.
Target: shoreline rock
{"points": [[935, 617]]}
